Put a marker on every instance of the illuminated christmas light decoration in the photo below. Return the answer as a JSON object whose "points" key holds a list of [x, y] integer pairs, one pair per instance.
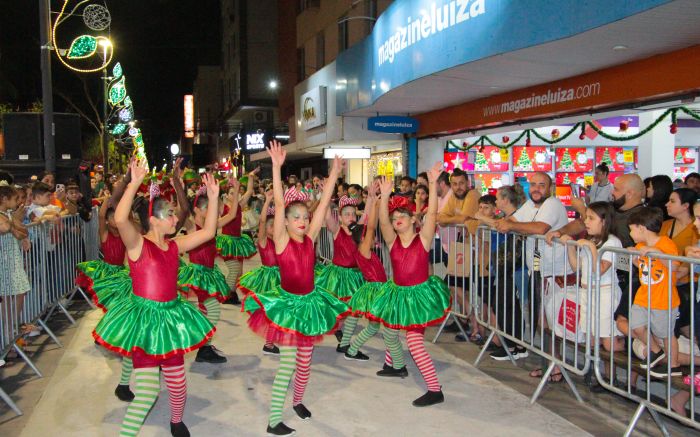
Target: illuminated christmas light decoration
{"points": [[127, 101], [117, 71], [133, 131], [97, 17], [117, 92], [138, 140], [82, 47], [119, 129], [61, 53], [126, 114]]}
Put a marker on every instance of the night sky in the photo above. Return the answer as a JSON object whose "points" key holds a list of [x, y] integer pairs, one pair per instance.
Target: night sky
{"points": [[159, 43]]}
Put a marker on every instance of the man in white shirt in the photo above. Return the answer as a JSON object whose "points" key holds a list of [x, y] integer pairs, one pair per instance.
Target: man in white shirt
{"points": [[538, 216]]}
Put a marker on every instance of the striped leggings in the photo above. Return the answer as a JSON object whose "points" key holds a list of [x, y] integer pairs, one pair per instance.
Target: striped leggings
{"points": [[235, 268], [416, 346], [291, 359], [147, 389]]}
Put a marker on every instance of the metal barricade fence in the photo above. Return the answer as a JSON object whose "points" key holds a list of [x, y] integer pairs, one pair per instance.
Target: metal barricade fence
{"points": [[546, 312], [34, 280], [662, 390]]}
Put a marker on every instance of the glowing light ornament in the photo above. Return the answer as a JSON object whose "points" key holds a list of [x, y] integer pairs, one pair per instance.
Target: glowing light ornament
{"points": [[127, 101], [126, 114], [82, 47], [119, 129], [117, 92], [133, 132], [117, 71], [97, 17]]}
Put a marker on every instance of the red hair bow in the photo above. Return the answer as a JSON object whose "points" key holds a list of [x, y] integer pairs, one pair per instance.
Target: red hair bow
{"points": [[153, 192], [397, 202], [271, 210]]}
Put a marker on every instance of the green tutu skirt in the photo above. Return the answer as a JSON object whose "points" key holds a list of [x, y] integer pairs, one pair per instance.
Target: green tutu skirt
{"points": [[342, 282], [361, 302], [318, 268], [205, 282], [291, 319], [262, 280], [238, 248], [107, 292], [159, 329], [90, 271], [411, 307]]}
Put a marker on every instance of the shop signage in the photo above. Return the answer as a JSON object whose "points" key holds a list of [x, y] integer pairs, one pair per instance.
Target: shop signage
{"points": [[393, 124], [189, 116], [313, 108], [255, 141]]}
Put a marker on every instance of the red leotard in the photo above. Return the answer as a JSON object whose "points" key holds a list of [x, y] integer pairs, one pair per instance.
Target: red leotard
{"points": [[234, 226], [344, 249], [410, 263], [204, 254], [296, 264], [267, 254], [154, 274], [372, 269], [113, 250]]}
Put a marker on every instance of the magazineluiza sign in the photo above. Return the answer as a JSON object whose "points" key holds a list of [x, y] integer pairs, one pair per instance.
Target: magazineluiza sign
{"points": [[313, 108], [427, 23]]}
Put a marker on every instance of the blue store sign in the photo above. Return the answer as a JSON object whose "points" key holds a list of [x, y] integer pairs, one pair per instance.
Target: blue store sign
{"points": [[416, 38], [393, 124]]}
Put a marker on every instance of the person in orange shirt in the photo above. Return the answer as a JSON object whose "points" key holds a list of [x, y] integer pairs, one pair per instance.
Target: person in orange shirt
{"points": [[650, 310]]}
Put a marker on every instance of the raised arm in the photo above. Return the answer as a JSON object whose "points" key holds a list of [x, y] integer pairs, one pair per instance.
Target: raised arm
{"points": [[190, 241], [332, 222], [427, 232], [119, 188], [388, 233], [243, 201], [232, 203], [278, 155], [317, 222], [102, 221], [371, 209], [127, 231], [181, 194], [262, 226]]}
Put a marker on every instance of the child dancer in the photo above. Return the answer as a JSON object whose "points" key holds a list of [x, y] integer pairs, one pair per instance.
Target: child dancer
{"points": [[361, 302], [265, 278], [202, 277], [232, 246], [153, 324], [298, 314], [412, 300]]}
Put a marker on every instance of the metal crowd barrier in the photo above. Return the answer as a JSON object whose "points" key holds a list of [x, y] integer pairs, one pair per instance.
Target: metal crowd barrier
{"points": [[546, 312], [47, 269], [620, 362]]}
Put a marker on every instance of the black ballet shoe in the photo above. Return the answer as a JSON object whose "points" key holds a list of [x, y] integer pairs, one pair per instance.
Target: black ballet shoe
{"points": [[389, 371], [206, 354], [359, 356], [342, 349], [280, 429], [233, 299], [302, 412], [273, 350], [124, 393], [339, 335], [429, 398], [179, 430]]}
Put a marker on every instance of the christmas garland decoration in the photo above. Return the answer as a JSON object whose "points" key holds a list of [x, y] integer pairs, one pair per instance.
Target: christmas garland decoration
{"points": [[557, 137]]}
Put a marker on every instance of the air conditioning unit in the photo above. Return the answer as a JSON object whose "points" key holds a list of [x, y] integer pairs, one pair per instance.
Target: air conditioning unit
{"points": [[261, 116]]}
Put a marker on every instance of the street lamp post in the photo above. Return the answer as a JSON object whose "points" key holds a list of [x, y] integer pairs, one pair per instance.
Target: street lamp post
{"points": [[104, 141], [46, 85]]}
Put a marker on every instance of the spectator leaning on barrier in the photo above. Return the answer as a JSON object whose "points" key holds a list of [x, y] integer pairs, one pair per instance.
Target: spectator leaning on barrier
{"points": [[651, 304]]}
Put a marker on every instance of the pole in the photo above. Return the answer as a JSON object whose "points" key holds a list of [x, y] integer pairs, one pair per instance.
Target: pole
{"points": [[46, 86], [105, 140]]}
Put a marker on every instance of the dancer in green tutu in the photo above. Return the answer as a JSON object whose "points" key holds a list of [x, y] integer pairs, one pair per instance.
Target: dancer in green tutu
{"points": [[154, 325], [231, 245], [361, 302], [412, 300], [266, 278], [202, 277], [299, 313]]}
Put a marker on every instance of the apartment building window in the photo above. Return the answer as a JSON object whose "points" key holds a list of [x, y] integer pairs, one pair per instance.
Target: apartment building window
{"points": [[301, 63], [320, 50], [307, 4], [343, 34]]}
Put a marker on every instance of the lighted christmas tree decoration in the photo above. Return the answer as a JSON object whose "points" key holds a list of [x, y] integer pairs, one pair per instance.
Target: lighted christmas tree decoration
{"points": [[481, 164], [117, 92], [119, 129], [82, 47], [117, 71], [679, 156], [524, 162], [126, 114], [606, 159], [566, 163]]}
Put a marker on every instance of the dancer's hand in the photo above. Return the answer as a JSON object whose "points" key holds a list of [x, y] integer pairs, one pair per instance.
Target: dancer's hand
{"points": [[386, 184], [212, 186], [338, 164], [177, 172], [434, 172], [269, 196], [139, 170], [277, 153], [373, 190]]}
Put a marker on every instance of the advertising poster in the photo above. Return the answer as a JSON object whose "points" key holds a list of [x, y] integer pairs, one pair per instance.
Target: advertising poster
{"points": [[491, 159], [684, 155], [452, 160], [570, 178], [573, 159], [486, 181], [526, 159], [614, 157]]}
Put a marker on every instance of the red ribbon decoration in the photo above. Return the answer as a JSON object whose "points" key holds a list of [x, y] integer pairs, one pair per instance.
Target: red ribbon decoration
{"points": [[293, 195], [347, 200], [154, 191], [397, 202]]}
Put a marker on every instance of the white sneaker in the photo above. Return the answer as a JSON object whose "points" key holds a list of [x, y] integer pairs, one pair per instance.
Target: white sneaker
{"points": [[639, 349]]}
